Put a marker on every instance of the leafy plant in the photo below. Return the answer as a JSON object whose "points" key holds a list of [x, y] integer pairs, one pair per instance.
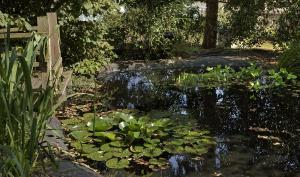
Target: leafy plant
{"points": [[252, 76], [88, 67], [123, 137], [167, 23], [290, 59], [24, 112]]}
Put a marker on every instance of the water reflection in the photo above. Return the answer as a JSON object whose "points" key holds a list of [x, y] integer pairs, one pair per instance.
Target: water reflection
{"points": [[255, 137]]}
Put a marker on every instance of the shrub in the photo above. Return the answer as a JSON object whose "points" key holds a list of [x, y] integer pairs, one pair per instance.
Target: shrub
{"points": [[290, 59]]}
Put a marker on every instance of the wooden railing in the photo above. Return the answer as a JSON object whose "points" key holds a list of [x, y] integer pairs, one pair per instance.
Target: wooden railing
{"points": [[46, 25]]}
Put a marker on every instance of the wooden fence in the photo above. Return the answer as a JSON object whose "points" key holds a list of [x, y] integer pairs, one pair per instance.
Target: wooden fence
{"points": [[46, 25]]}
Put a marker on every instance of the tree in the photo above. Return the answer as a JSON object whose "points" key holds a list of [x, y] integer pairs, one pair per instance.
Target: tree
{"points": [[211, 26], [82, 38]]}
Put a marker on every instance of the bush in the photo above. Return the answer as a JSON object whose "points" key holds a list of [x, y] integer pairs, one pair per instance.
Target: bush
{"points": [[167, 23], [290, 59]]}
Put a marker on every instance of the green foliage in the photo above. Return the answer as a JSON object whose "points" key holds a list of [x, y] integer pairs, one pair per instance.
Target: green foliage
{"points": [[88, 67], [24, 112], [145, 24], [82, 39], [245, 23], [214, 76], [83, 27], [253, 77], [121, 138], [288, 30], [21, 23], [290, 59], [253, 22]]}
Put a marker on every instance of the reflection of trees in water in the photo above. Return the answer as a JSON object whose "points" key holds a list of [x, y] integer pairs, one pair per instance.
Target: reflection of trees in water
{"points": [[228, 112], [222, 109]]}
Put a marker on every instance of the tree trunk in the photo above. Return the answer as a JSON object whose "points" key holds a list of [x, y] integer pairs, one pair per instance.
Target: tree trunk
{"points": [[210, 33]]}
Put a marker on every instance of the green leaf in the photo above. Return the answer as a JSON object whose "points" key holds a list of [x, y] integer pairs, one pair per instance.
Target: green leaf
{"points": [[100, 156], [122, 153], [109, 135], [137, 149], [89, 116], [135, 135], [117, 144], [81, 135], [88, 5], [100, 125], [152, 152], [159, 162], [84, 148], [126, 117], [105, 147], [115, 163]]}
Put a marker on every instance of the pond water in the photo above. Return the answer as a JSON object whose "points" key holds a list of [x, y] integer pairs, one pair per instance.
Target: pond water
{"points": [[257, 134]]}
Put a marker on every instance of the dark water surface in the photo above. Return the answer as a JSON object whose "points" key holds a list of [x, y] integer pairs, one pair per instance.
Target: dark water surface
{"points": [[257, 134]]}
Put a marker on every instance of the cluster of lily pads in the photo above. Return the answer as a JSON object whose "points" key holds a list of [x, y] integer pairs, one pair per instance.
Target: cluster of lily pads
{"points": [[254, 77], [124, 138]]}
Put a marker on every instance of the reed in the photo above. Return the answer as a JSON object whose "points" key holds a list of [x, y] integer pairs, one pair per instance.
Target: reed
{"points": [[24, 113]]}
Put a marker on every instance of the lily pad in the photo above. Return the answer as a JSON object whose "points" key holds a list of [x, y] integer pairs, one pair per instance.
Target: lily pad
{"points": [[115, 163], [173, 149], [109, 135], [122, 154], [162, 123], [100, 125], [135, 135], [124, 116], [100, 156], [84, 148], [78, 127], [152, 152], [117, 144], [89, 116], [161, 162], [108, 148], [136, 149], [82, 136]]}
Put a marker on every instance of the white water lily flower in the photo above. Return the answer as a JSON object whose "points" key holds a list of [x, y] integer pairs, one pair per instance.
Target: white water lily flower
{"points": [[76, 126]]}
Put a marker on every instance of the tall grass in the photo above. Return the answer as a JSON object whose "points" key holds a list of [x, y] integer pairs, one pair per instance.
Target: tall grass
{"points": [[24, 112]]}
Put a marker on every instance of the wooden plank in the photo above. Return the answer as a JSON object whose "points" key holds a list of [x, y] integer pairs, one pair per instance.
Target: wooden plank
{"points": [[54, 43], [16, 35], [42, 25], [12, 30], [65, 83], [42, 28], [36, 64]]}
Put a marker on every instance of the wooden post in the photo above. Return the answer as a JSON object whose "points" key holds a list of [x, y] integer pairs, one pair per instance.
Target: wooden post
{"points": [[55, 60], [42, 28], [51, 68]]}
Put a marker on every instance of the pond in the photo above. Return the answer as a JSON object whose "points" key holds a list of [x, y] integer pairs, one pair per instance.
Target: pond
{"points": [[256, 133]]}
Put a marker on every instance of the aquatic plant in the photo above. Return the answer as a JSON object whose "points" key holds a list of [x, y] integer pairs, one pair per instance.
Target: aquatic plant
{"points": [[122, 138], [252, 76]]}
